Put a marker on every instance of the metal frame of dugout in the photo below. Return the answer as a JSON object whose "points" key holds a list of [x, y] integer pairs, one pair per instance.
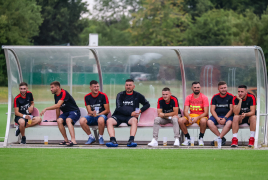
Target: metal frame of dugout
{"points": [[175, 66]]}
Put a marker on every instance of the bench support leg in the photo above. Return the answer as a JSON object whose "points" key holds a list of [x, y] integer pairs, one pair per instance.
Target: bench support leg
{"points": [[96, 134]]}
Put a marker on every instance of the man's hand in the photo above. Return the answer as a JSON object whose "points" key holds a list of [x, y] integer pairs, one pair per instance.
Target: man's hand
{"points": [[27, 117], [161, 115], [195, 119], [43, 112], [222, 121], [218, 120], [237, 96], [30, 109], [243, 115], [190, 120], [94, 113], [134, 114]]}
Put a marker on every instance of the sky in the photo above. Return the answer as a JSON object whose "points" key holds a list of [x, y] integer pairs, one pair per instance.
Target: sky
{"points": [[90, 7]]}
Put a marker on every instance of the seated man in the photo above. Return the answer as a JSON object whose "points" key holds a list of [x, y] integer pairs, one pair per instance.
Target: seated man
{"points": [[126, 104], [24, 105], [245, 112], [198, 104], [71, 113], [95, 100], [222, 112], [167, 109]]}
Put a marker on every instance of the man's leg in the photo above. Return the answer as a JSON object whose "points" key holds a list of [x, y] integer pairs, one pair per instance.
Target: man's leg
{"points": [[101, 125], [226, 129], [21, 122], [182, 122], [85, 127], [176, 127], [35, 121], [71, 129], [235, 126], [213, 127], [62, 129], [203, 126], [156, 127], [111, 122], [134, 123], [252, 126]]}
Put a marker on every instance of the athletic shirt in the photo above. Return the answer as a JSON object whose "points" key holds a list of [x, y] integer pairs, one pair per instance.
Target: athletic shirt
{"points": [[222, 104], [245, 106], [69, 103], [97, 101], [196, 105], [168, 107], [23, 103]]}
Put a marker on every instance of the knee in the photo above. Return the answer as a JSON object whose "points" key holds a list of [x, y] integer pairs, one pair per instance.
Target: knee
{"points": [[101, 120], [39, 119], [252, 118], [236, 118], [60, 121], [69, 121], [157, 120], [134, 120], [109, 122], [181, 120], [203, 121], [83, 120], [21, 122], [174, 120], [209, 123]]}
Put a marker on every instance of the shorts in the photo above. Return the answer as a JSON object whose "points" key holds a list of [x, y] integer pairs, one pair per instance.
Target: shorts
{"points": [[192, 116], [74, 115], [93, 121], [121, 119], [17, 120], [245, 120], [215, 121]]}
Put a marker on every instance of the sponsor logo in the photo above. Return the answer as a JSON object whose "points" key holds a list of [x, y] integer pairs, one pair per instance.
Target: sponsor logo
{"points": [[128, 103]]}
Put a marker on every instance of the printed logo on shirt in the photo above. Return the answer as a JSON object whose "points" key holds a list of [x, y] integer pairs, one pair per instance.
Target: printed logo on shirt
{"points": [[222, 105], [25, 107], [128, 103], [95, 105], [62, 105]]}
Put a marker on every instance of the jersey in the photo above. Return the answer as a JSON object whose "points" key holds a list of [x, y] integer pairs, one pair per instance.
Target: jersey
{"points": [[23, 103], [222, 104], [97, 101], [69, 103], [167, 108], [196, 105], [245, 106]]}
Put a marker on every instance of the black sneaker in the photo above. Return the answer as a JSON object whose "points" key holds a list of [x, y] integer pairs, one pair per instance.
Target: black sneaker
{"points": [[212, 143], [17, 132], [223, 141], [23, 140]]}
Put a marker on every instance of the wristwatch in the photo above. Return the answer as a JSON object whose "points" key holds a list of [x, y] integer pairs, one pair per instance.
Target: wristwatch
{"points": [[225, 118]]}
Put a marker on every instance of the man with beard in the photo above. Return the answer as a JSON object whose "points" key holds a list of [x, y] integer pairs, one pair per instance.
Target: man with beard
{"points": [[222, 112], [71, 113], [24, 105], [127, 111], [198, 105], [168, 112], [245, 112]]}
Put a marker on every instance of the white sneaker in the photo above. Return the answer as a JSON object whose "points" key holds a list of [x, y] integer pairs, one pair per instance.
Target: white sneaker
{"points": [[201, 142], [153, 143], [186, 142], [177, 142]]}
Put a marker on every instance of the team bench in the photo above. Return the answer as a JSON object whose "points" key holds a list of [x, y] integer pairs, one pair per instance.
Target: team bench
{"points": [[146, 120]]}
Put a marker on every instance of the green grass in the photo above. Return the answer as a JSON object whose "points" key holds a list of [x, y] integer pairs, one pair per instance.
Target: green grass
{"points": [[132, 164], [3, 120]]}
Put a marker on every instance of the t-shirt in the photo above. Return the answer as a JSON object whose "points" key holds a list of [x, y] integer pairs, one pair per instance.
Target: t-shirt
{"points": [[23, 103], [69, 103], [196, 105], [97, 101], [167, 108], [245, 106], [222, 104]]}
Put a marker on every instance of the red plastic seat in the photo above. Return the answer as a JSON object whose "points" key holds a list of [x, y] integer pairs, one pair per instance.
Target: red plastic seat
{"points": [[147, 118], [50, 115]]}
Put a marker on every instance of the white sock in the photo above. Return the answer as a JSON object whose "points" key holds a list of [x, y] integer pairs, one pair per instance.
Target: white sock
{"points": [[100, 136], [252, 133], [219, 137], [235, 135], [91, 136]]}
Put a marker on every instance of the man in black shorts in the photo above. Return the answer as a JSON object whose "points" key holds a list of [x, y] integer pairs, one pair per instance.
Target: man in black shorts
{"points": [[71, 113], [222, 112], [245, 112], [24, 105], [168, 112], [127, 104]]}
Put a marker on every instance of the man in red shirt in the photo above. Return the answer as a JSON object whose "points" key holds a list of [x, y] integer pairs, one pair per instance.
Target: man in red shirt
{"points": [[198, 105]]}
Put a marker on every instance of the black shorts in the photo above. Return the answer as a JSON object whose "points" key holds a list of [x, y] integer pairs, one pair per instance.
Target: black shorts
{"points": [[121, 119], [17, 120], [245, 120]]}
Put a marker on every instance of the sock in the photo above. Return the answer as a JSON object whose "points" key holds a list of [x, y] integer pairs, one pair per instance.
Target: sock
{"points": [[219, 137], [187, 136], [201, 135], [252, 133], [112, 139], [235, 135], [100, 136], [131, 138], [91, 136]]}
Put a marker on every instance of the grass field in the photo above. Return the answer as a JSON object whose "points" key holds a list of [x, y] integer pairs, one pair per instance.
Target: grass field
{"points": [[132, 164]]}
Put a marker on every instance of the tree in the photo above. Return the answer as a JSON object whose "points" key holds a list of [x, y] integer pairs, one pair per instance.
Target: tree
{"points": [[19, 22], [63, 22], [161, 23], [195, 8], [263, 37]]}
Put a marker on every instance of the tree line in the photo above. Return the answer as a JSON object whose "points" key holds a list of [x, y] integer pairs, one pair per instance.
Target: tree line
{"points": [[133, 22]]}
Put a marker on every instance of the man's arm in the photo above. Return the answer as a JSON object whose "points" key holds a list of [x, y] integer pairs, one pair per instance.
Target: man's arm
{"points": [[205, 114], [230, 111], [30, 109], [56, 106], [106, 111], [144, 102], [17, 113], [213, 112], [252, 111], [160, 113], [186, 113], [57, 113], [237, 108], [175, 112]]}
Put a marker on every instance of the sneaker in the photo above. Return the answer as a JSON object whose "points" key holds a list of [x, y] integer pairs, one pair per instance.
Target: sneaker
{"points": [[17, 132], [153, 143], [23, 140], [186, 142], [177, 142], [201, 142], [112, 144], [212, 143], [234, 142], [90, 140], [251, 142], [131, 144], [101, 141]]}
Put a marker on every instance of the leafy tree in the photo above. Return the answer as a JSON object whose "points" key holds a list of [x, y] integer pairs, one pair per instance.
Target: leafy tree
{"points": [[62, 21], [195, 8], [263, 37], [19, 22], [161, 23]]}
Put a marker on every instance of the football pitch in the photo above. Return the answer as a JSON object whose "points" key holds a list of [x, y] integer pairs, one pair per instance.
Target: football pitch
{"points": [[30, 163]]}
